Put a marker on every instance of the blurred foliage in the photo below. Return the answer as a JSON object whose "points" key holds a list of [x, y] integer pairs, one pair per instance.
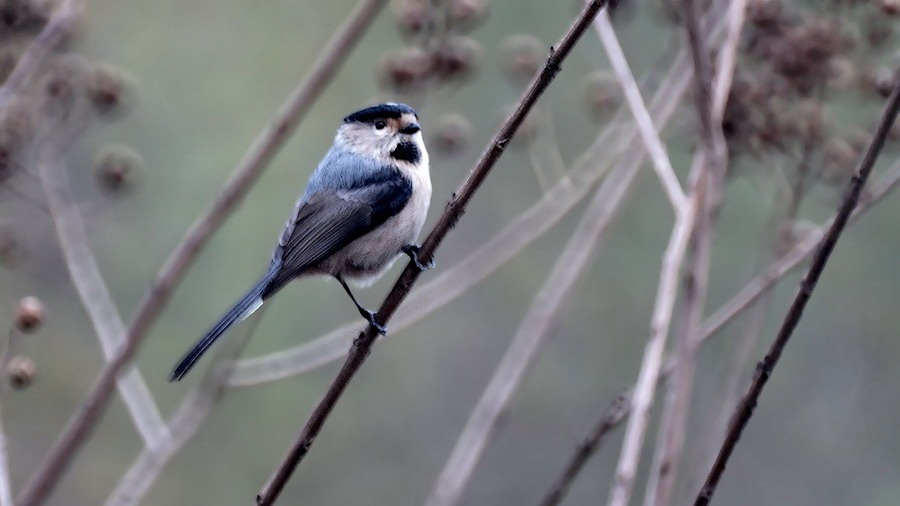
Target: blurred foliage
{"points": [[204, 77]]}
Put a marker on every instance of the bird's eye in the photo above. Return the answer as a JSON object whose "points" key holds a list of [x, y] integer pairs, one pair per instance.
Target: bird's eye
{"points": [[380, 124]]}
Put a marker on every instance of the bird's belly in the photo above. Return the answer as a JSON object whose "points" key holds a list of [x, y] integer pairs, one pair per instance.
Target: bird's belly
{"points": [[364, 260]]}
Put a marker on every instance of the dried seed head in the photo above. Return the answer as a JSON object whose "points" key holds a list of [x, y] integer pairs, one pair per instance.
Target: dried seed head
{"points": [[839, 161], [116, 166], [404, 70], [883, 81], [878, 30], [452, 134], [601, 95], [765, 14], [521, 57], [457, 58], [889, 7], [61, 82], [109, 90], [413, 16], [23, 16], [465, 15], [29, 314], [21, 372]]}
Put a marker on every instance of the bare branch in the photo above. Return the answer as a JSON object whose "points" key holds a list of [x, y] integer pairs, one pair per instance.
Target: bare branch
{"points": [[738, 304], [614, 415], [651, 363], [781, 267], [94, 293], [649, 134], [851, 196], [712, 152], [81, 423], [448, 219]]}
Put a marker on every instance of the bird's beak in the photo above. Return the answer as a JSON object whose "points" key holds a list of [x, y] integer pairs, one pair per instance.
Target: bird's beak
{"points": [[410, 128]]}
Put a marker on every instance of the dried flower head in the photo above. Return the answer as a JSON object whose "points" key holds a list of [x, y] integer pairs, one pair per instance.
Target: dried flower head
{"points": [[889, 7], [601, 94], [465, 15], [29, 314], [115, 166], [521, 57], [413, 17], [452, 134], [109, 90], [457, 58], [404, 70], [21, 372]]}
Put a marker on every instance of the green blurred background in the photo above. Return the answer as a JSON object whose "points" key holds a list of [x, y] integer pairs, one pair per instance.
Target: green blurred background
{"points": [[209, 76]]}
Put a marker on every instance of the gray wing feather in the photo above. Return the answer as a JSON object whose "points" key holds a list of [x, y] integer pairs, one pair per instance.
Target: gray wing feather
{"points": [[329, 219]]}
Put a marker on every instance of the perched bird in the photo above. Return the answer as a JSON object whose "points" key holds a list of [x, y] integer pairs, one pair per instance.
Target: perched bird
{"points": [[364, 206]]}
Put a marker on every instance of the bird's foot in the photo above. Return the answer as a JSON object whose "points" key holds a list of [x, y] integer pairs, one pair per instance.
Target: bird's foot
{"points": [[413, 251], [370, 317]]}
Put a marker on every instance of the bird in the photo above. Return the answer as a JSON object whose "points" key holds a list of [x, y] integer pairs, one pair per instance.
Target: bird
{"points": [[363, 207]]}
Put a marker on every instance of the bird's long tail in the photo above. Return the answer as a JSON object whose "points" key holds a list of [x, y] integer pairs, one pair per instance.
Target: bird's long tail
{"points": [[250, 302]]}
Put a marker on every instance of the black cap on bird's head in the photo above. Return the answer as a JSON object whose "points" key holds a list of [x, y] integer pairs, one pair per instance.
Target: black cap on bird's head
{"points": [[380, 111]]}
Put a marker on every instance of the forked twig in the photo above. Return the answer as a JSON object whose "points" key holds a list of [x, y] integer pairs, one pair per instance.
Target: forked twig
{"points": [[764, 369], [82, 422], [448, 219]]}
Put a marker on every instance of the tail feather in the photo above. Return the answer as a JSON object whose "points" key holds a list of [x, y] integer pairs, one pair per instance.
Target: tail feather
{"points": [[250, 302]]}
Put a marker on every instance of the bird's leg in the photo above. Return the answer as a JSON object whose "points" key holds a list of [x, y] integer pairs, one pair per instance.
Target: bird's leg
{"points": [[413, 251], [368, 315]]}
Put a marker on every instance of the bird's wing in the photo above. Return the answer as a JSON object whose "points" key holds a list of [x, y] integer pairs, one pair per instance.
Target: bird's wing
{"points": [[330, 219]]}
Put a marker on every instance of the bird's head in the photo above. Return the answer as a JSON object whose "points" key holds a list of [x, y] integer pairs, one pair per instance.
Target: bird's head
{"points": [[388, 132]]}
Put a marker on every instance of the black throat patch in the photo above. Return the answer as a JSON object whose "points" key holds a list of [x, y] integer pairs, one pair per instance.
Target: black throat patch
{"points": [[406, 151]]}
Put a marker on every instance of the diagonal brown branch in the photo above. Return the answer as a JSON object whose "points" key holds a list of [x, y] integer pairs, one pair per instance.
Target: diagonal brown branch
{"points": [[454, 210], [764, 369], [82, 422]]}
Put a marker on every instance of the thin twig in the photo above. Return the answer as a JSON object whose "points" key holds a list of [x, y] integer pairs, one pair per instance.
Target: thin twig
{"points": [[94, 293], [764, 370], [653, 352], [81, 423], [454, 210], [738, 304], [531, 333], [712, 152], [661, 163], [450, 283], [29, 64]]}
